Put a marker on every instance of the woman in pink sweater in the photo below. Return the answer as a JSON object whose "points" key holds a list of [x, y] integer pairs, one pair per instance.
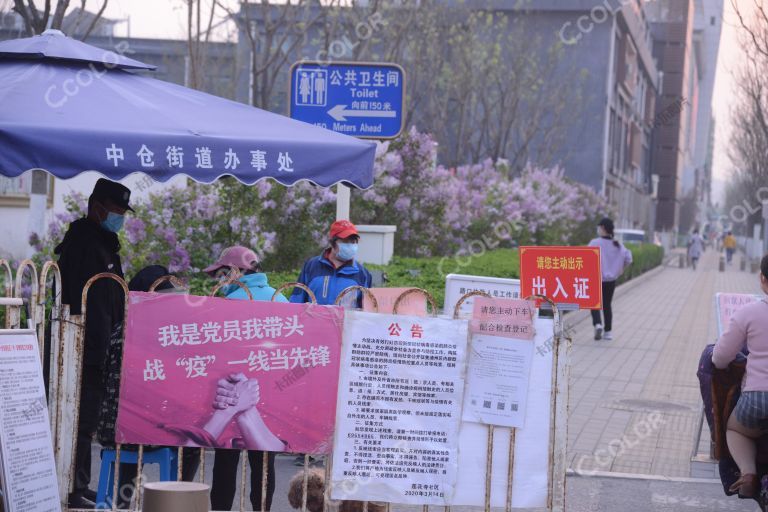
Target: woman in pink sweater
{"points": [[614, 259], [749, 419]]}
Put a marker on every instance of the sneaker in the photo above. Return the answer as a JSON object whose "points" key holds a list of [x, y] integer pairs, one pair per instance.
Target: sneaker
{"points": [[78, 501], [607, 335], [598, 331]]}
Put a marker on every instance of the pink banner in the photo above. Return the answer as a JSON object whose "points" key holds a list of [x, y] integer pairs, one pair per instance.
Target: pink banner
{"points": [[205, 371]]}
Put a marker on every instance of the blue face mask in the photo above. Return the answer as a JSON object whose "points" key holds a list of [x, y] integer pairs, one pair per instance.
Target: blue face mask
{"points": [[114, 222], [347, 252]]}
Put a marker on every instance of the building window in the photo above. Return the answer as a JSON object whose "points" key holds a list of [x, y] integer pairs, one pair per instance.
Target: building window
{"points": [[16, 191]]}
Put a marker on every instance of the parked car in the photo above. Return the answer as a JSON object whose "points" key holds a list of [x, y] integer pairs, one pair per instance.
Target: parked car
{"points": [[631, 236]]}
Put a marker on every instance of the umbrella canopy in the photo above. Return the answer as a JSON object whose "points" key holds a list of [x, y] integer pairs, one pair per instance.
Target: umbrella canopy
{"points": [[68, 107]]}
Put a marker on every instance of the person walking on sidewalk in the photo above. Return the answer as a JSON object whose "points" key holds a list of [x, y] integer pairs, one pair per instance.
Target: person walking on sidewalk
{"points": [[749, 419], [729, 242], [695, 247], [614, 259]]}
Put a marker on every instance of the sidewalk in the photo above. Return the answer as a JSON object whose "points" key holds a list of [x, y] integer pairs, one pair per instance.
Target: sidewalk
{"points": [[634, 401]]}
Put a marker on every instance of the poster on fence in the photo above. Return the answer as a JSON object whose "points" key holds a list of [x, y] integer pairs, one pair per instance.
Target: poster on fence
{"points": [[726, 304], [530, 475], [400, 399], [26, 450], [500, 358], [219, 373], [456, 285]]}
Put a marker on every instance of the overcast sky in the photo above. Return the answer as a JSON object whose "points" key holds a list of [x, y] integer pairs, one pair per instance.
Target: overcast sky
{"points": [[730, 58]]}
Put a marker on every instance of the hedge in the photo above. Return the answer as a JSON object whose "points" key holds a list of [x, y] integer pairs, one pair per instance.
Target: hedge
{"points": [[645, 257]]}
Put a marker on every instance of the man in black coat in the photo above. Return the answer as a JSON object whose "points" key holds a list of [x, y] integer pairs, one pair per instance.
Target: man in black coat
{"points": [[90, 247]]}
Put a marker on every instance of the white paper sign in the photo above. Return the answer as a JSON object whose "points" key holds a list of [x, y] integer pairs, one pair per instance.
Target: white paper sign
{"points": [[399, 407], [530, 477], [26, 450], [497, 380], [457, 285]]}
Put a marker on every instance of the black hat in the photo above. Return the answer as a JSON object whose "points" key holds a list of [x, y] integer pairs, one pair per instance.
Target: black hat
{"points": [[148, 275], [115, 192]]}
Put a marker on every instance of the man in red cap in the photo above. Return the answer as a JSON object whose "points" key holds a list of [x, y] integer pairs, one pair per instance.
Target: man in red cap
{"points": [[332, 272], [336, 269]]}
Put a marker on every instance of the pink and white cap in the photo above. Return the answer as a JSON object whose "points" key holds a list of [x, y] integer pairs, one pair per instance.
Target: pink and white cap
{"points": [[236, 256]]}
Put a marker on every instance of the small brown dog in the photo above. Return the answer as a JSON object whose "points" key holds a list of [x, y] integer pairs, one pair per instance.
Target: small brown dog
{"points": [[316, 494]]}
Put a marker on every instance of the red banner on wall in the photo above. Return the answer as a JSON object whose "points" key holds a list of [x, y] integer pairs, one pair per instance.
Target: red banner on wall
{"points": [[565, 275]]}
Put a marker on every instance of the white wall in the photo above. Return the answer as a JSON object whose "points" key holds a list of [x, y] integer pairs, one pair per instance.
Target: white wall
{"points": [[13, 232]]}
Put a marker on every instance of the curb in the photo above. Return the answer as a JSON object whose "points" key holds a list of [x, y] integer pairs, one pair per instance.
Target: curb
{"points": [[641, 476]]}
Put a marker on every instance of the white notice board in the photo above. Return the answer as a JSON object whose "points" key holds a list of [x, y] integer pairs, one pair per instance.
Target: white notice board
{"points": [[399, 408], [457, 285], [532, 443], [26, 450]]}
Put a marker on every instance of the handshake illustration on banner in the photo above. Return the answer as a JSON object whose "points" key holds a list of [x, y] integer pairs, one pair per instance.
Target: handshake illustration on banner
{"points": [[236, 399]]}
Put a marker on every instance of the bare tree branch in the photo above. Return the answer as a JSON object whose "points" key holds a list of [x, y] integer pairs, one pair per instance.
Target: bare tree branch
{"points": [[95, 20]]}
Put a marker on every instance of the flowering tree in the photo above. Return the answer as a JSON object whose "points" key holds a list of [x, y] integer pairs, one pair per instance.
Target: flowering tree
{"points": [[410, 193], [437, 209]]}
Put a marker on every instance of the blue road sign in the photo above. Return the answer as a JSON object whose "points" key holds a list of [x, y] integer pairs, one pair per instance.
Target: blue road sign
{"points": [[359, 99]]}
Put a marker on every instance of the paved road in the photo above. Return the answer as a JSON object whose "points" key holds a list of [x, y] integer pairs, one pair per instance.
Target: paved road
{"points": [[634, 401]]}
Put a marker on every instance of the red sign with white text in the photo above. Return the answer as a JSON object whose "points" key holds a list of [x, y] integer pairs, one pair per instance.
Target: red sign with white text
{"points": [[565, 275]]}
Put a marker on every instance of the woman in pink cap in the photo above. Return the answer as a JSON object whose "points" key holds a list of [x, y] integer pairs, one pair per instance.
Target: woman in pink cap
{"points": [[246, 263]]}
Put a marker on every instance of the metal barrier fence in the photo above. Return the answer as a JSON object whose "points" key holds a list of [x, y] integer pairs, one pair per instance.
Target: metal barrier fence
{"points": [[47, 314]]}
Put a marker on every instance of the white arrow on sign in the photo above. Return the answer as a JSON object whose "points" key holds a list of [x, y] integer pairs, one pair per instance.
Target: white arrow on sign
{"points": [[340, 113]]}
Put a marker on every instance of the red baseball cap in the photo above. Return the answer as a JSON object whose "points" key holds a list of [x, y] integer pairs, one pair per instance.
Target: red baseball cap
{"points": [[342, 229]]}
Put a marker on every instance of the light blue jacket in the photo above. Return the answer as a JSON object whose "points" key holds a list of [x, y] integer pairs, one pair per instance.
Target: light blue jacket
{"points": [[258, 286]]}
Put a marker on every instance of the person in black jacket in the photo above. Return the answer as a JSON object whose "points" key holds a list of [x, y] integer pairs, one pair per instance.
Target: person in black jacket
{"points": [[90, 247]]}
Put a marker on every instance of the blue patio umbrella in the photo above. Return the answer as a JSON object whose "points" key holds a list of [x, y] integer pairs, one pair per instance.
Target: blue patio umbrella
{"points": [[68, 107]]}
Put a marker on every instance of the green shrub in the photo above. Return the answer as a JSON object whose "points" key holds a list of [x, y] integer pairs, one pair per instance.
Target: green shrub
{"points": [[644, 258]]}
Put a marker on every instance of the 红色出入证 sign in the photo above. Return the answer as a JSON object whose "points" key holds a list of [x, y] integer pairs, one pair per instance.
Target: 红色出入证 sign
{"points": [[399, 409], [282, 359], [359, 99], [567, 276], [26, 449]]}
